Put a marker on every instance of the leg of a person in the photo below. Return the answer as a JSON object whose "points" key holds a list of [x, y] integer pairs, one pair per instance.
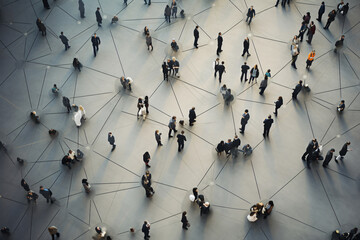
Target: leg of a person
{"points": [[170, 129]]}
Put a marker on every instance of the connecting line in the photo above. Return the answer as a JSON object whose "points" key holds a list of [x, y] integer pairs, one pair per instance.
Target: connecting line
{"points": [[307, 113], [117, 52]]}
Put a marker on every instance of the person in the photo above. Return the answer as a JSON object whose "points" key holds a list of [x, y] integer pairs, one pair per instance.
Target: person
{"points": [[294, 53], [311, 32], [79, 115], [192, 116], [297, 90], [176, 66], [86, 185], [31, 196], [216, 66], [196, 36], [146, 104], [354, 230], [146, 30], [313, 155], [98, 17], [204, 208], [46, 4], [172, 126], [149, 42], [95, 40], [328, 157], [244, 120], [139, 106], [158, 137], [35, 117], [146, 159], [235, 144], [278, 104], [195, 191], [343, 11], [343, 152], [53, 232], [266, 211], [115, 19], [219, 44], [146, 229], [182, 13], [246, 47], [254, 74], [223, 90], [149, 191], [321, 11], [313, 144], [77, 64], [339, 43], [142, 112], [66, 103], [25, 185], [263, 85], [100, 232], [295, 42], [307, 18], [181, 140], [250, 14], [41, 27], [185, 222], [228, 147], [65, 41], [220, 147], [302, 30], [310, 59], [331, 18], [146, 176], [46, 194], [228, 97], [268, 74], [335, 235], [341, 106], [167, 13], [244, 69], [148, 3], [82, 9], [165, 71], [221, 69], [174, 45], [126, 82], [111, 140], [72, 156], [170, 66], [252, 217], [174, 9], [340, 6], [66, 161], [247, 149], [267, 125]]}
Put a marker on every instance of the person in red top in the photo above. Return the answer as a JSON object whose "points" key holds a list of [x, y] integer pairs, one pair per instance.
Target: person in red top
{"points": [[310, 59], [311, 32]]}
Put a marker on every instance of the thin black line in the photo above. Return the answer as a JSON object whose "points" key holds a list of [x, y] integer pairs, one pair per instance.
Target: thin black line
{"points": [[232, 113], [342, 134], [315, 4], [32, 45], [125, 8], [55, 180], [84, 44], [67, 202], [213, 205], [31, 221], [161, 111], [327, 129], [20, 131], [324, 36], [7, 154], [199, 46], [27, 87], [7, 4], [351, 27], [307, 113], [202, 11], [351, 66], [324, 101], [38, 57], [8, 50], [233, 26], [251, 226], [287, 183], [342, 174], [206, 173], [159, 40], [78, 218], [49, 223], [117, 52], [87, 142], [140, 19], [353, 100], [236, 6], [352, 51], [75, 87], [71, 195], [17, 128], [13, 200], [146, 118], [200, 137], [160, 25], [246, 100], [320, 104], [201, 28], [281, 69], [129, 28], [177, 101], [166, 218], [89, 212], [48, 65], [104, 105], [119, 190], [264, 233], [222, 168], [340, 76], [270, 39], [44, 178], [170, 186], [156, 89], [17, 225], [82, 32], [208, 109], [66, 12], [82, 233], [195, 86], [257, 186], [182, 30], [42, 86], [300, 221], [298, 9], [336, 89], [7, 77], [232, 193], [116, 183], [257, 56], [258, 144], [102, 72], [97, 211], [74, 142], [25, 46]]}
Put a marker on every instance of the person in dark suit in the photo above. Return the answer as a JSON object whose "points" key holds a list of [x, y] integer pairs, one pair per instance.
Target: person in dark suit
{"points": [[82, 9], [219, 44], [192, 116], [311, 32], [165, 71], [246, 47], [244, 69], [220, 147], [41, 27], [313, 144], [196, 36], [146, 159], [297, 90], [77, 64], [146, 176], [98, 17], [267, 125], [204, 208], [278, 104], [35, 117], [331, 18], [228, 147], [216, 66], [146, 229], [321, 11], [25, 185], [195, 193], [314, 155], [328, 157], [343, 152], [181, 140], [64, 40], [244, 120], [235, 144], [111, 140], [221, 69], [184, 221], [250, 14], [341, 106], [46, 4], [263, 85], [167, 13], [172, 126], [46, 194], [339, 43], [158, 137], [95, 40], [66, 103]]}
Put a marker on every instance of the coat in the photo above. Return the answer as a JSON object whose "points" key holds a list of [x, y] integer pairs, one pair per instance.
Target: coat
{"points": [[219, 40], [184, 219], [81, 5], [236, 143], [196, 33], [246, 44], [268, 122], [95, 40], [263, 83], [25, 185], [181, 138], [245, 118], [148, 40], [343, 150], [64, 39], [111, 139], [244, 68], [297, 88], [257, 72], [66, 102], [279, 103], [221, 68], [46, 193], [157, 137], [164, 68], [251, 12], [192, 114], [167, 11], [312, 30], [172, 124], [98, 16], [322, 9], [328, 157], [146, 157]]}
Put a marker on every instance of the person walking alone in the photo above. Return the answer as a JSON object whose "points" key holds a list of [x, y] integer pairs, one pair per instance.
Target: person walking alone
{"points": [[65, 41], [328, 157], [295, 53], [181, 140], [165, 71], [98, 17], [311, 32], [343, 152], [244, 120], [146, 229], [310, 59], [263, 85], [95, 43], [149, 42], [82, 9], [66, 103], [196, 36], [250, 14], [321, 11], [246, 47], [219, 44], [221, 69], [192, 116], [278, 104], [111, 140], [244, 69], [297, 90], [267, 125], [331, 18], [185, 222], [46, 194], [53, 232], [158, 138]]}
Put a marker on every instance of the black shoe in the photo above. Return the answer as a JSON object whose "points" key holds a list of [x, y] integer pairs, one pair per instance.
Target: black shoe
{"points": [[170, 136], [249, 55]]}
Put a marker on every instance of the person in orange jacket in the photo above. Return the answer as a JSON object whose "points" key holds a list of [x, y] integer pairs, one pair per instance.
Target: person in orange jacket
{"points": [[310, 59]]}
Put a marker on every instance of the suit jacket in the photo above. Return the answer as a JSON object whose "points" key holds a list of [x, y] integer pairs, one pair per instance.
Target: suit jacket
{"points": [[221, 68], [95, 40], [157, 137], [328, 156], [251, 12], [310, 147], [184, 219], [81, 5], [98, 16], [196, 33], [146, 157], [279, 103], [312, 29], [64, 39], [343, 150], [220, 40], [268, 122], [236, 142], [181, 138], [111, 139], [246, 44], [66, 101], [298, 88], [145, 229], [46, 193], [322, 9], [244, 68], [192, 114], [245, 118]]}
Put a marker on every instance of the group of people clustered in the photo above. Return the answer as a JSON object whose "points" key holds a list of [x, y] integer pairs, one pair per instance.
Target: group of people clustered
{"points": [[231, 147]]}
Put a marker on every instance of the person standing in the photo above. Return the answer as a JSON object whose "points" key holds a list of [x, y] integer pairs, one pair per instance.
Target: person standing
{"points": [[196, 36], [95, 43], [339, 43], [221, 69], [172, 126], [176, 66], [53, 232], [313, 144], [46, 194], [185, 222], [174, 9], [216, 66], [66, 103], [302, 30], [158, 138], [328, 157], [219, 44], [46, 4], [192, 116], [297, 90], [250, 14], [167, 13], [310, 59], [343, 152], [146, 104], [149, 41], [82, 9], [267, 209], [234, 148], [146, 229], [244, 120], [77, 64], [244, 69], [246, 47], [294, 53], [341, 106], [98, 17], [86, 185], [254, 74], [321, 11], [165, 71], [146, 159], [64, 40], [181, 140], [278, 104], [267, 125], [41, 27], [311, 32], [32, 196], [25, 185], [263, 85], [331, 18], [111, 140]]}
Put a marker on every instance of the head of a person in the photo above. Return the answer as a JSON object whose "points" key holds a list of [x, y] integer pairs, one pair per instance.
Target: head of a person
{"points": [[342, 102], [41, 188], [246, 110], [314, 140], [295, 37], [222, 62], [255, 66], [229, 141], [62, 33], [244, 63], [219, 33], [300, 82], [271, 203], [280, 98], [342, 37], [266, 77], [182, 132], [217, 59], [110, 133], [174, 59], [268, 70], [332, 150], [174, 118], [81, 108], [197, 27], [222, 143], [224, 86], [94, 34], [269, 117], [98, 8], [184, 213], [236, 137], [348, 143]]}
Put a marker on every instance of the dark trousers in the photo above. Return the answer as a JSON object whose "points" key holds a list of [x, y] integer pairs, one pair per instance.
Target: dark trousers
{"points": [[68, 108], [305, 154], [242, 75], [158, 143], [220, 76], [167, 18], [82, 13], [246, 50], [66, 46], [191, 121], [301, 36], [180, 146], [294, 58], [99, 23], [262, 91], [113, 146], [277, 2], [320, 16], [96, 48], [251, 79], [310, 36], [276, 110], [53, 235], [166, 76], [171, 129], [216, 70], [249, 18], [196, 42], [294, 95], [328, 24], [242, 130], [266, 131], [151, 46], [218, 50]]}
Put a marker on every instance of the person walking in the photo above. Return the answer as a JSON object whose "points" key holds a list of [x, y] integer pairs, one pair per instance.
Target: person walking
{"points": [[111, 140], [341, 106], [267, 125], [343, 152], [53, 232], [263, 85], [278, 104], [167, 13], [165, 71], [82, 9], [250, 14], [297, 90], [192, 116], [41, 27], [149, 41], [267, 209], [172, 126], [98, 17], [158, 137], [339, 43], [86, 185], [221, 69], [216, 66], [310, 59], [244, 120], [321, 11], [313, 144], [244, 69], [25, 185], [46, 4], [146, 159], [149, 191], [77, 64], [328, 157], [65, 41], [254, 74], [66, 103], [176, 66], [246, 47], [46, 194], [196, 36], [311, 32], [95, 40], [331, 18], [181, 140], [32, 196], [294, 53], [146, 229], [139, 106], [146, 104], [185, 222], [174, 9], [219, 44]]}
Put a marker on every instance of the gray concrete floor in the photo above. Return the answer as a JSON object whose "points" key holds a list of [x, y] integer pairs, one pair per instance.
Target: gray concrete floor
{"points": [[309, 204]]}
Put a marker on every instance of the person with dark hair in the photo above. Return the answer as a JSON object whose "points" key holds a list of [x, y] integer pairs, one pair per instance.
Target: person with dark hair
{"points": [[235, 144], [146, 30], [174, 45], [244, 120], [146, 229], [35, 117], [220, 147], [254, 74], [228, 147], [66, 103], [294, 53], [174, 9], [82, 9], [100, 232], [341, 106], [278, 104], [321, 11], [172, 126], [65, 41], [149, 41], [192, 116], [111, 140], [263, 85], [244, 69], [86, 185], [310, 59], [204, 208], [328, 157], [221, 69], [339, 43], [167, 13], [354, 230], [77, 64], [297, 90], [158, 137], [246, 47], [47, 194], [267, 125], [55, 89], [66, 160], [53, 232], [146, 176], [313, 144], [195, 193], [115, 19], [146, 159], [46, 4], [343, 152], [311, 32], [181, 140], [345, 9], [41, 27], [313, 155], [98, 17], [25, 185], [331, 18], [95, 40], [250, 14], [165, 71], [219, 44], [267, 209], [185, 222], [196, 36], [32, 196]]}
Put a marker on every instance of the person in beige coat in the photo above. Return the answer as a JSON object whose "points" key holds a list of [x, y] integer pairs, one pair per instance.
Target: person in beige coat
{"points": [[53, 231]]}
